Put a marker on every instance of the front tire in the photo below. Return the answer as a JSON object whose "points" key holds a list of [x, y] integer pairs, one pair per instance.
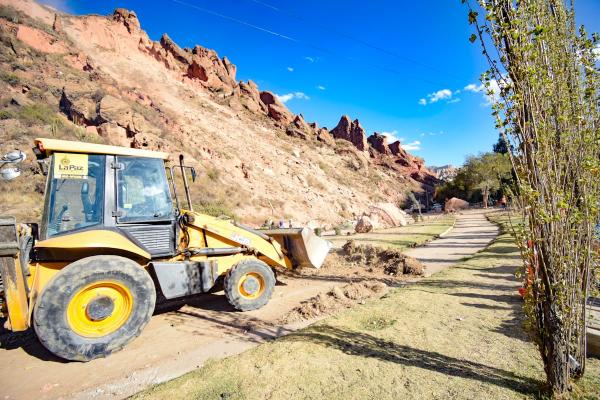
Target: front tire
{"points": [[249, 285], [94, 307]]}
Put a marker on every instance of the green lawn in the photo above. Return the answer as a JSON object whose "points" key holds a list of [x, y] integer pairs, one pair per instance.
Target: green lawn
{"points": [[455, 335], [400, 237]]}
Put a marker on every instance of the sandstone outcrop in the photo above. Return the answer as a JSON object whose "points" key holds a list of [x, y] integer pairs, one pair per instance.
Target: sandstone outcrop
{"points": [[299, 128], [351, 131], [276, 109], [325, 137], [80, 108], [379, 143], [127, 18]]}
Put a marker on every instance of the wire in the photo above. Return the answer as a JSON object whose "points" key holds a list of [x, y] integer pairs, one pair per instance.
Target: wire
{"points": [[350, 37], [216, 14], [306, 44]]}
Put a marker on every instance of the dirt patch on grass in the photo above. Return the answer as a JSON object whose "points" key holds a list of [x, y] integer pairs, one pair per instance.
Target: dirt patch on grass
{"points": [[336, 299]]}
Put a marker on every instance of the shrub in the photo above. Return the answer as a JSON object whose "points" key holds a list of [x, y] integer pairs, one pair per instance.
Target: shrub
{"points": [[10, 78], [9, 13], [215, 209], [213, 174], [36, 114], [7, 114]]}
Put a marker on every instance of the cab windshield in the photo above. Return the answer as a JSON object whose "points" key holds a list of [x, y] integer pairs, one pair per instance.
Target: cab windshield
{"points": [[75, 193]]}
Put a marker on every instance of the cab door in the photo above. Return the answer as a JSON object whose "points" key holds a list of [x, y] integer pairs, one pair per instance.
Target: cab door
{"points": [[144, 211]]}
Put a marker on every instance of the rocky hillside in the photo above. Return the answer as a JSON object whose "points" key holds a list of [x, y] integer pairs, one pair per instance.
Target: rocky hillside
{"points": [[444, 173], [102, 79]]}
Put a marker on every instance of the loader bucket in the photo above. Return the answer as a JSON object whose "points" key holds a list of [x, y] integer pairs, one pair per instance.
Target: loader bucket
{"points": [[305, 249]]}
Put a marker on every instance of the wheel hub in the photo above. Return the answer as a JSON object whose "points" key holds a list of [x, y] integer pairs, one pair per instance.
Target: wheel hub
{"points": [[251, 285], [100, 308]]}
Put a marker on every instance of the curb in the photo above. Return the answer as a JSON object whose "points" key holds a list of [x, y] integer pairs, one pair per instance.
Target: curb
{"points": [[448, 230]]}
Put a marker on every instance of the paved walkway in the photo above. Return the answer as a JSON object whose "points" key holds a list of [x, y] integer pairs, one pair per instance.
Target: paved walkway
{"points": [[471, 233]]}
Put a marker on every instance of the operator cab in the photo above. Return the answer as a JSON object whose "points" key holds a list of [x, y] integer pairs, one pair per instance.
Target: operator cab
{"points": [[98, 187]]}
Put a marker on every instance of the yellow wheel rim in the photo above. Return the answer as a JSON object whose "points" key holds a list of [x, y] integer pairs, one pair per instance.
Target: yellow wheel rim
{"points": [[251, 286], [99, 309]]}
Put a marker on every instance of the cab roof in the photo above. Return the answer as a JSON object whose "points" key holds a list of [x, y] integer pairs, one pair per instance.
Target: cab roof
{"points": [[49, 146]]}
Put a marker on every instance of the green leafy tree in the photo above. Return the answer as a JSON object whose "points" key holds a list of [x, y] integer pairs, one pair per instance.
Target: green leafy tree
{"points": [[487, 172], [479, 176], [544, 82]]}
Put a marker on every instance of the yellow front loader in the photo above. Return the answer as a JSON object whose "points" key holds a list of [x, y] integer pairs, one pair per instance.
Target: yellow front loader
{"points": [[114, 238]]}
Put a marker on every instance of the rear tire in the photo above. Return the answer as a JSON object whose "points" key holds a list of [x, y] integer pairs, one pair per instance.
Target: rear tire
{"points": [[94, 307], [249, 285]]}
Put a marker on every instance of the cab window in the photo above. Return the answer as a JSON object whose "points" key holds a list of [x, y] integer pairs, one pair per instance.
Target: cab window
{"points": [[75, 197], [143, 193]]}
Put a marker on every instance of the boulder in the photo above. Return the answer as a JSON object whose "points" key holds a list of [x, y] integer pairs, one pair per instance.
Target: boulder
{"points": [[127, 18], [363, 225], [114, 133], [455, 204], [351, 131], [388, 215], [379, 143], [111, 109]]}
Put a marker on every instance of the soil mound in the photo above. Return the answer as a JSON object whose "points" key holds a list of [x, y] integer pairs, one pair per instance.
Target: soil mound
{"points": [[338, 298], [393, 262]]}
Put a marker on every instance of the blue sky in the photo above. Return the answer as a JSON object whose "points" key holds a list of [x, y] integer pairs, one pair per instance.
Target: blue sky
{"points": [[405, 68]]}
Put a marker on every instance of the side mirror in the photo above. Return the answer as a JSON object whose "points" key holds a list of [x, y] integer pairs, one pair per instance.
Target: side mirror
{"points": [[15, 156], [8, 173]]}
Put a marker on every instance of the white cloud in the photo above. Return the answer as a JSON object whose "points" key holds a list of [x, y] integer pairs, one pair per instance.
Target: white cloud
{"points": [[474, 88], [439, 95], [412, 146], [289, 96], [392, 136], [455, 100], [596, 52], [291, 69], [490, 95], [321, 87], [443, 94], [309, 59]]}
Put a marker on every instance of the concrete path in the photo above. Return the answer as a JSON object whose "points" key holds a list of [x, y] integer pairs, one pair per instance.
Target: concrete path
{"points": [[471, 233]]}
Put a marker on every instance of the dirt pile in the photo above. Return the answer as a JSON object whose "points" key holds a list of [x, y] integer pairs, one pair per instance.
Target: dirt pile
{"points": [[336, 299], [393, 262]]}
